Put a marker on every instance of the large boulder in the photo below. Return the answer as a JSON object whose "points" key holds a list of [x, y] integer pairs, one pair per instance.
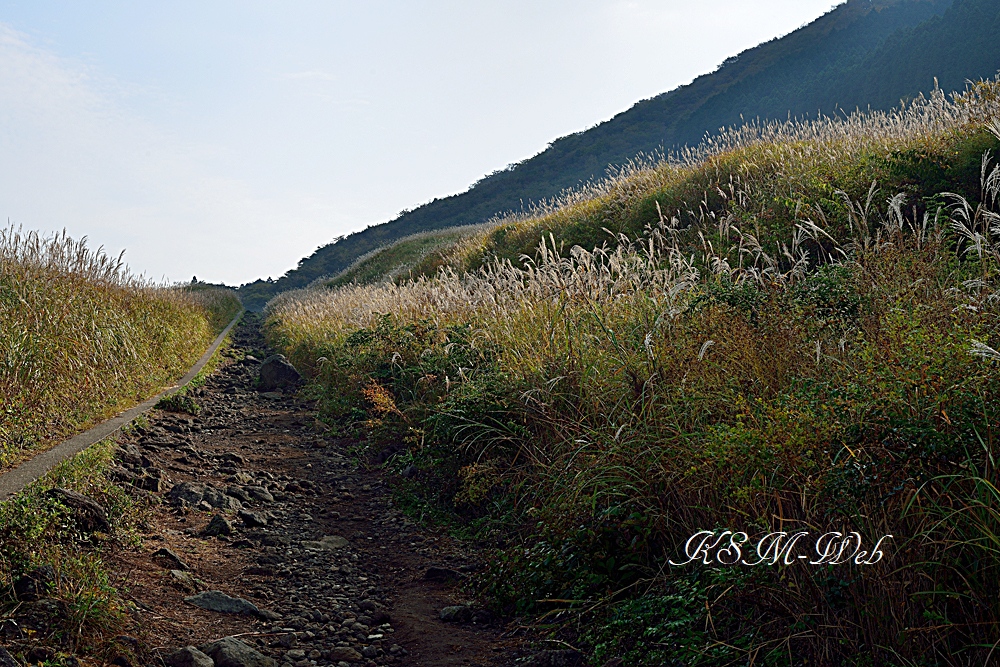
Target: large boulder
{"points": [[231, 652], [278, 373]]}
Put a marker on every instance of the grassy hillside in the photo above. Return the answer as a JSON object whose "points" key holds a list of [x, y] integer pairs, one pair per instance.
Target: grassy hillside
{"points": [[401, 258], [81, 338], [861, 54], [795, 329]]}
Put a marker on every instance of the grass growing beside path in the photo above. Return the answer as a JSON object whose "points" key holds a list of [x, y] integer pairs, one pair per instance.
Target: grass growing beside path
{"points": [[82, 608], [81, 338], [792, 328]]}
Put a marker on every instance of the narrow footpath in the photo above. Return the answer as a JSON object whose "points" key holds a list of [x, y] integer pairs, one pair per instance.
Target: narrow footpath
{"points": [[268, 531]]}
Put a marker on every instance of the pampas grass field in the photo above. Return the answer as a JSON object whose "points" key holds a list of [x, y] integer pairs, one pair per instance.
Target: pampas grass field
{"points": [[82, 338], [793, 326]]}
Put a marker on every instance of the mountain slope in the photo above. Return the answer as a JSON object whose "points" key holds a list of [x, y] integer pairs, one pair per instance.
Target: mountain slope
{"points": [[860, 54]]}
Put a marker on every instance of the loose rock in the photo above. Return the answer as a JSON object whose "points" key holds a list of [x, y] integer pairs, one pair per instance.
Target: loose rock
{"points": [[219, 525], [35, 584], [253, 519], [441, 575], [344, 653], [6, 659], [224, 604], [259, 493], [129, 454], [189, 492], [172, 559], [278, 373], [89, 515], [220, 500], [231, 652], [188, 656], [238, 492], [328, 543], [184, 581], [456, 614]]}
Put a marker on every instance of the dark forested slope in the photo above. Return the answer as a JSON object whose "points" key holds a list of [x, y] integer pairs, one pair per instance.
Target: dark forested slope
{"points": [[864, 53]]}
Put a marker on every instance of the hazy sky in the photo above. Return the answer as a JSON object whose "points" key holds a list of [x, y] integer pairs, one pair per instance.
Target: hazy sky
{"points": [[229, 139]]}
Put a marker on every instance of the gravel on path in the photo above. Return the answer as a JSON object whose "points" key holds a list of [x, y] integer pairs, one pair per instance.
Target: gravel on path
{"points": [[271, 533]]}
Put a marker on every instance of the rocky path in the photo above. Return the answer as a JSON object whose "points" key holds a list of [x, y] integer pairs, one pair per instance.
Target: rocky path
{"points": [[269, 532]]}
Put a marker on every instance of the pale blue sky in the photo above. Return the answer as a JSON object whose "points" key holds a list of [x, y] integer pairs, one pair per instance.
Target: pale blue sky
{"points": [[229, 139]]}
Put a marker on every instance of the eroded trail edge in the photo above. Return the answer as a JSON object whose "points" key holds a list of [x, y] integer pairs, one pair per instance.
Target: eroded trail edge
{"points": [[269, 531]]}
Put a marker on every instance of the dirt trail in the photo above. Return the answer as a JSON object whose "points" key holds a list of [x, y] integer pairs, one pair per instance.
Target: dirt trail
{"points": [[340, 576]]}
